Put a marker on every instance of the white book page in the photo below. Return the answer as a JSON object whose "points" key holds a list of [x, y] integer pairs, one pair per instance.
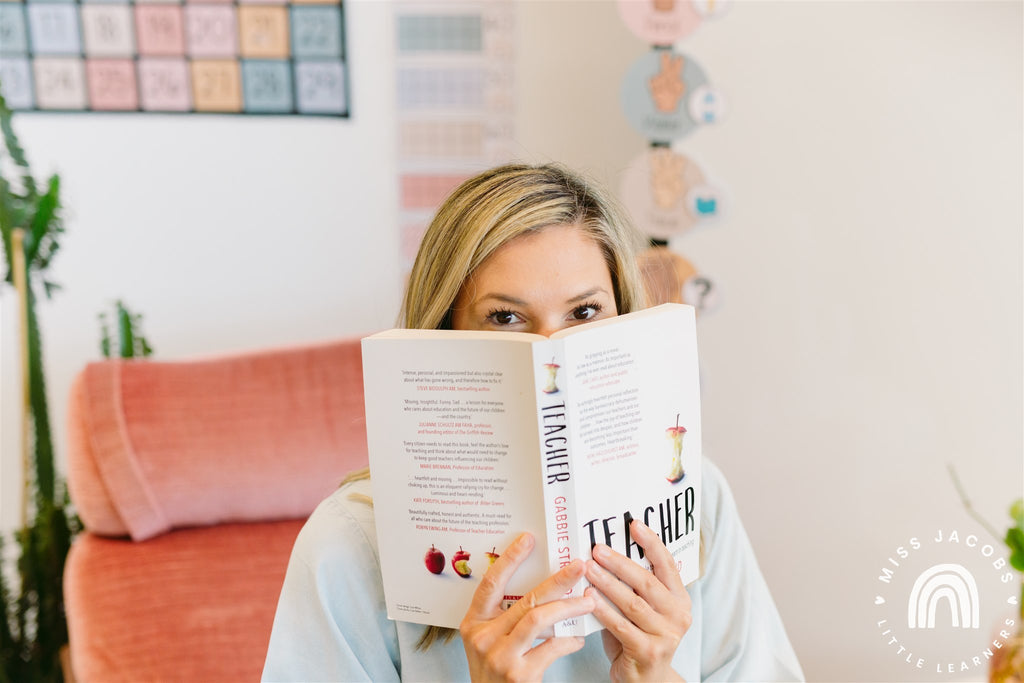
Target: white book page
{"points": [[636, 434], [457, 470]]}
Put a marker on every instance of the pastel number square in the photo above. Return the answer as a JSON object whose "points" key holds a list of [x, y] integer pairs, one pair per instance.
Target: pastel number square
{"points": [[267, 86], [53, 29], [16, 82], [60, 83], [112, 85], [108, 30], [211, 30], [316, 32], [13, 33], [263, 31], [320, 87], [164, 85], [160, 30], [216, 85]]}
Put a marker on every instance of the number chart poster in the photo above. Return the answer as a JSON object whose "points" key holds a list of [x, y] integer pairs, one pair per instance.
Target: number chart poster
{"points": [[455, 102], [209, 56]]}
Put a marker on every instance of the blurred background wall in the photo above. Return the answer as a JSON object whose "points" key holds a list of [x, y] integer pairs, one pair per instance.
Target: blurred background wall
{"points": [[870, 263]]}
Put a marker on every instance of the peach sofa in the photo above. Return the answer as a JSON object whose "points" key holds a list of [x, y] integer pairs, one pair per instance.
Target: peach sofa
{"points": [[192, 480]]}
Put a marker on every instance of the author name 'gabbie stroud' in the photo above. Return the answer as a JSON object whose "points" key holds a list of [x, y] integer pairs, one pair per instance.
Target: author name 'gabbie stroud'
{"points": [[675, 513]]}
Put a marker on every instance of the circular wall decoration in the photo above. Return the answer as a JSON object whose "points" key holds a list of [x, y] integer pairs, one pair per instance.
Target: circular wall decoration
{"points": [[667, 193], [656, 94], [702, 293], [707, 104], [661, 22], [664, 273], [711, 9]]}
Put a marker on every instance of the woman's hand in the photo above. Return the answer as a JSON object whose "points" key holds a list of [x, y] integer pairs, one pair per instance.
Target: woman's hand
{"points": [[655, 607], [500, 644]]}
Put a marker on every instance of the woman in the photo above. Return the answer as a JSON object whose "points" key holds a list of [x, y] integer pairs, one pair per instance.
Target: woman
{"points": [[531, 249]]}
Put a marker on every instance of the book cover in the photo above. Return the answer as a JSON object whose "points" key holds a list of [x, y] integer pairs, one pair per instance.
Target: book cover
{"points": [[475, 437]]}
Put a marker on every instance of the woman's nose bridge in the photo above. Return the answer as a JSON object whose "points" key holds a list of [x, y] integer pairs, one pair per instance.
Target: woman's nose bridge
{"points": [[548, 327]]}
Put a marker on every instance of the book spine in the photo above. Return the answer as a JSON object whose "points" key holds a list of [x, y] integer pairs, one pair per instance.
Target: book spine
{"points": [[557, 471]]}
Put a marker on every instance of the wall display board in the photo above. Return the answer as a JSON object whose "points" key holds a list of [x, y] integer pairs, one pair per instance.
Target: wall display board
{"points": [[454, 81], [665, 97], [194, 56]]}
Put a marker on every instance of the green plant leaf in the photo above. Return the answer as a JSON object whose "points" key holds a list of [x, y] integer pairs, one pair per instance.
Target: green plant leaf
{"points": [[1017, 561], [1015, 542], [126, 334], [1014, 539], [42, 442], [45, 229], [1017, 512], [50, 287], [14, 147]]}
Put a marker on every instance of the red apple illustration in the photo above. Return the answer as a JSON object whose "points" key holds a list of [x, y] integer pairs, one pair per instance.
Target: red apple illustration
{"points": [[434, 559], [491, 556], [460, 563]]}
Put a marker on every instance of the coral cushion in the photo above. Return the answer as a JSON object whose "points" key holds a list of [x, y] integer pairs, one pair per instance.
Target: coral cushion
{"points": [[194, 604], [155, 446]]}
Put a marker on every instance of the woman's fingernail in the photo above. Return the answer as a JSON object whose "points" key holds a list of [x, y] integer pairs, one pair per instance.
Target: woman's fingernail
{"points": [[644, 529], [600, 551]]}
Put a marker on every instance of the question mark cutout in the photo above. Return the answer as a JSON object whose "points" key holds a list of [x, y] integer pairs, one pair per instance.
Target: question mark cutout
{"points": [[700, 292]]}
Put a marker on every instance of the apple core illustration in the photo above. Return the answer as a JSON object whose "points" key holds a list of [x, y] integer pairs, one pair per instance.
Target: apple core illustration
{"points": [[675, 436], [551, 387]]}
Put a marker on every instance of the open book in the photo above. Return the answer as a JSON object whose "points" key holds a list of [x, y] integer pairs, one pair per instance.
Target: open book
{"points": [[475, 437]]}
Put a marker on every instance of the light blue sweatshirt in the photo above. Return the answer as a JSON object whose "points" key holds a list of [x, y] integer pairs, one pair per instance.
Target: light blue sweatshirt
{"points": [[331, 622]]}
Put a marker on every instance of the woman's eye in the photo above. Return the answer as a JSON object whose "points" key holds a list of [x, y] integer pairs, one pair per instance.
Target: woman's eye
{"points": [[503, 318], [585, 312]]}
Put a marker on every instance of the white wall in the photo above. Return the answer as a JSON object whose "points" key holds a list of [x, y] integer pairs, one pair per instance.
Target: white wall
{"points": [[871, 326], [226, 232]]}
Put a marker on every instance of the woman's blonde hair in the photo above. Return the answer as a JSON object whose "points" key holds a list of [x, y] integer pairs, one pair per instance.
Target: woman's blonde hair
{"points": [[499, 205], [490, 210]]}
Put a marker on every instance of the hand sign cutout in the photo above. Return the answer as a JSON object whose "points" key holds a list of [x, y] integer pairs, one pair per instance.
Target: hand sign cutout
{"points": [[667, 85], [667, 177]]}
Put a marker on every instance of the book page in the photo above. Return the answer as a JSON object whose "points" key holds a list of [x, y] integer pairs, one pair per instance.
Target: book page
{"points": [[635, 427], [452, 434]]}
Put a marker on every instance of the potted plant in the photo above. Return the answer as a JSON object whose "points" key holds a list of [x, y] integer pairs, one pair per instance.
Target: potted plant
{"points": [[33, 630], [1007, 666]]}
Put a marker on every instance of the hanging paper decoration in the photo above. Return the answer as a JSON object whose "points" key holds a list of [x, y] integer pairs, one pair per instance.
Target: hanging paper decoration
{"points": [[660, 22], [671, 278], [666, 96], [454, 94], [668, 193], [661, 93], [700, 292], [711, 9]]}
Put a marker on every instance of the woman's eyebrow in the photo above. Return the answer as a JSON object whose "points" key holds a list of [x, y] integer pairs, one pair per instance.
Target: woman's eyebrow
{"points": [[505, 298], [587, 294]]}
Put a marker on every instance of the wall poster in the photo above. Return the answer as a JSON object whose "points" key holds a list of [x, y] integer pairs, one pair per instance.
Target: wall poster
{"points": [[187, 56], [455, 102]]}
